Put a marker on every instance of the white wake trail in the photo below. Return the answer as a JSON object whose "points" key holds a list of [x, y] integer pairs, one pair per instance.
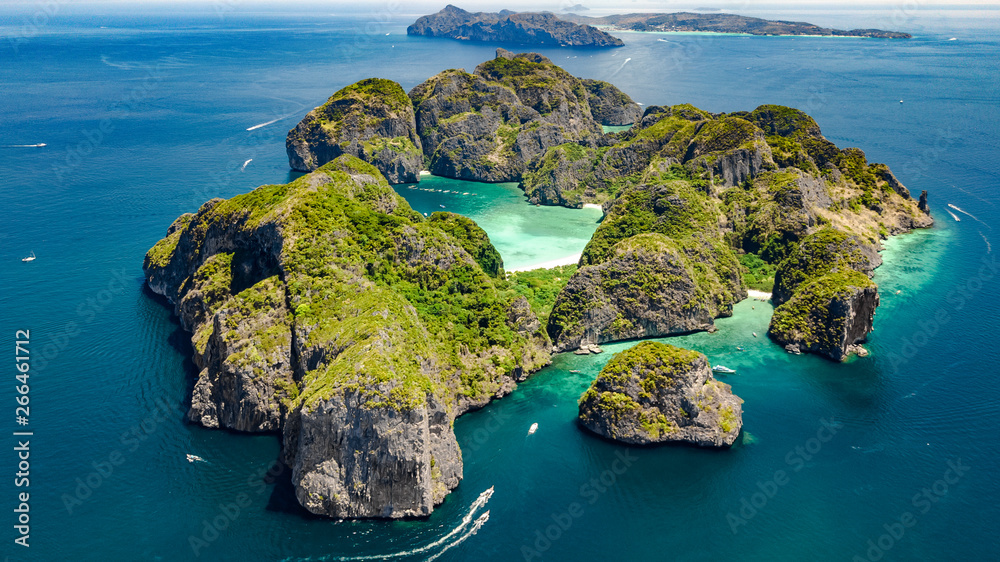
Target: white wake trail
{"points": [[478, 504], [475, 528], [963, 211], [39, 145], [954, 216], [273, 121], [974, 217]]}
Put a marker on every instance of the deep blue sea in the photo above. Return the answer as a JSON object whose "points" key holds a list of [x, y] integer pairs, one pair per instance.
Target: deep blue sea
{"points": [[145, 116]]}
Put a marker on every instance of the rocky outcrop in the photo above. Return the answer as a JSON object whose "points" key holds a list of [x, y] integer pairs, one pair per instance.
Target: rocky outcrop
{"points": [[372, 120], [609, 105], [657, 393], [650, 286], [828, 315], [657, 265], [487, 125], [329, 311], [543, 29], [824, 251]]}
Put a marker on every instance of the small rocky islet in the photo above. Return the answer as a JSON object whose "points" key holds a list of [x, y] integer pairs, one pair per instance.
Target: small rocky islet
{"points": [[655, 393], [328, 311]]}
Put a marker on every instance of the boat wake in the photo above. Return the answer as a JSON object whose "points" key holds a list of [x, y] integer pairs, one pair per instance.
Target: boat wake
{"points": [[480, 521], [989, 249], [467, 520], [244, 167], [954, 216], [964, 212], [39, 145], [271, 122]]}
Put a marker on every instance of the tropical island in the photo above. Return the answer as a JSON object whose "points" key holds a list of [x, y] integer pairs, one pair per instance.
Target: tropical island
{"points": [[523, 28], [328, 311], [721, 23], [573, 30]]}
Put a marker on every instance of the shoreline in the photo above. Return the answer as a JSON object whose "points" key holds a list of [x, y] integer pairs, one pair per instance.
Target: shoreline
{"points": [[739, 34], [567, 260], [755, 294]]}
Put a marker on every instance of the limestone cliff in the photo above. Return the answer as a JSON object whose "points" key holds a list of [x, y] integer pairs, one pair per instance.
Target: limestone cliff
{"points": [[765, 184], [827, 315], [657, 393], [527, 28], [657, 265], [487, 125], [372, 119], [329, 311]]}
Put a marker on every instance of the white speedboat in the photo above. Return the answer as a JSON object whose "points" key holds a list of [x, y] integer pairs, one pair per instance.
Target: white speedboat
{"points": [[533, 428], [723, 370], [194, 458], [29, 258]]}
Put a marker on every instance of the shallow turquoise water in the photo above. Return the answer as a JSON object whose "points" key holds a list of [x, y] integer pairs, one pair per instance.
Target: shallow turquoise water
{"points": [[108, 355], [525, 235]]}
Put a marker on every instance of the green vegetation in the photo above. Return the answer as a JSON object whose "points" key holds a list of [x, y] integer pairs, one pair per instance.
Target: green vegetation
{"points": [[368, 276], [541, 287], [807, 317], [757, 273], [819, 253]]}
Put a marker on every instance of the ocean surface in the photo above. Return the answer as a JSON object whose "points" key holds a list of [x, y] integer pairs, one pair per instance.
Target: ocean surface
{"points": [[144, 117]]}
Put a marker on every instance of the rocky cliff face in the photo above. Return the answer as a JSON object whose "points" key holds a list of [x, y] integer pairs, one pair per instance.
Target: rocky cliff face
{"points": [[828, 315], [656, 266], [487, 125], [764, 182], [328, 310], [372, 120], [722, 151], [510, 27], [824, 251], [609, 105], [657, 393]]}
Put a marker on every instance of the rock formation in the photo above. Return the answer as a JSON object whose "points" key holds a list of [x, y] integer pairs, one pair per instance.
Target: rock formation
{"points": [[710, 187], [372, 119], [723, 23], [828, 315], [487, 125], [543, 29], [657, 265], [329, 311], [657, 393]]}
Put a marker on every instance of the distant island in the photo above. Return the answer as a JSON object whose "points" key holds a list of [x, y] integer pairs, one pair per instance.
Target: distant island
{"points": [[722, 23], [523, 28]]}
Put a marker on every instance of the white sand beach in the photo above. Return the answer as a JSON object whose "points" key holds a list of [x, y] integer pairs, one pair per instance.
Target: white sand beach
{"points": [[753, 294], [568, 260]]}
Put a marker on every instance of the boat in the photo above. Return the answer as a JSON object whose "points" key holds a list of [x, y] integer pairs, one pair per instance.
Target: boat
{"points": [[194, 458], [533, 428], [754, 334], [723, 370], [574, 370], [29, 258]]}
